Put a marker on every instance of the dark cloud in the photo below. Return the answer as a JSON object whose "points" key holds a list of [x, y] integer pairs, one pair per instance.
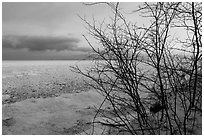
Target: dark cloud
{"points": [[23, 54], [42, 43]]}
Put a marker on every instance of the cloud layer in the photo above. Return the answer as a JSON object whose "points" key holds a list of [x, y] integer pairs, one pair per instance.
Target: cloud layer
{"points": [[42, 43]]}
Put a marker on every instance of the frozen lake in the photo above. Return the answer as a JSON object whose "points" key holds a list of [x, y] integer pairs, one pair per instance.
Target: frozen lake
{"points": [[18, 68], [48, 77], [43, 76]]}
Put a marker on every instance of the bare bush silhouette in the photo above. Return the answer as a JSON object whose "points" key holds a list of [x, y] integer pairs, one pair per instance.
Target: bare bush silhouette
{"points": [[153, 86]]}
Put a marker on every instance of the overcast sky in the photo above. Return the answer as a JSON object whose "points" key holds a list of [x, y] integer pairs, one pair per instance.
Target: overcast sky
{"points": [[51, 30]]}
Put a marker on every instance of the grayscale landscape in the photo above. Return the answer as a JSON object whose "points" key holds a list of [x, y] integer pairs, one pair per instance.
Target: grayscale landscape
{"points": [[101, 68], [45, 97]]}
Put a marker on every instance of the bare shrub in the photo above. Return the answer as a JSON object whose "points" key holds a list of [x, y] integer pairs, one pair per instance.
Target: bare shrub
{"points": [[153, 86]]}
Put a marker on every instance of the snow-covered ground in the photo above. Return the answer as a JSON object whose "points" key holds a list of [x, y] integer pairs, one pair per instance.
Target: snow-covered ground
{"points": [[45, 97], [65, 114]]}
